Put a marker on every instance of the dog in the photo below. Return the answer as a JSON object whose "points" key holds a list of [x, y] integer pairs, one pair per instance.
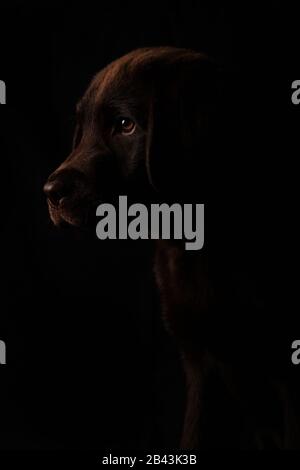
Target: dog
{"points": [[153, 125]]}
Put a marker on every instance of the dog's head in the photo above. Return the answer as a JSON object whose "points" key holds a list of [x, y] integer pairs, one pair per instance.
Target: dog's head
{"points": [[143, 127]]}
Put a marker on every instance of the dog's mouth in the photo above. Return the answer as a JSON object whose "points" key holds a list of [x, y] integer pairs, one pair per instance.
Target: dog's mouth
{"points": [[80, 215]]}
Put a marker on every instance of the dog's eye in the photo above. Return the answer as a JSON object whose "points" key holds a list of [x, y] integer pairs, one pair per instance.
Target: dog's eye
{"points": [[125, 126]]}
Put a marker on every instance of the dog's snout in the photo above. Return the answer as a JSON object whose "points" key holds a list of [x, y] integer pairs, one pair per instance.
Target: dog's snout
{"points": [[61, 186]]}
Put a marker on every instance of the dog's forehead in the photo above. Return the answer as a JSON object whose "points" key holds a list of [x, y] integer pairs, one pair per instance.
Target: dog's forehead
{"points": [[130, 70]]}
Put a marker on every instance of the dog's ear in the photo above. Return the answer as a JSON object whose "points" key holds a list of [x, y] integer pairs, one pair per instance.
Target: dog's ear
{"points": [[182, 119]]}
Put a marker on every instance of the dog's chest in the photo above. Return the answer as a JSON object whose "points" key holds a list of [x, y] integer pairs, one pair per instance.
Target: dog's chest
{"points": [[184, 289]]}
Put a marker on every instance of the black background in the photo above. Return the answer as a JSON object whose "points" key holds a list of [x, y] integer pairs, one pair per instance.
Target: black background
{"points": [[89, 363]]}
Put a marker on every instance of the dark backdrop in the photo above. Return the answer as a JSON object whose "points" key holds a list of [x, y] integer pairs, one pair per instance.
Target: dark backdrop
{"points": [[89, 363]]}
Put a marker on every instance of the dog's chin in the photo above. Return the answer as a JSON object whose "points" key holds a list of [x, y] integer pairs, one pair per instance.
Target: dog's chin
{"points": [[63, 220]]}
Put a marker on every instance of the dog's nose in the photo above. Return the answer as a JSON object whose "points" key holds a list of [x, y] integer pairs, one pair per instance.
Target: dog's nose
{"points": [[59, 187], [55, 191]]}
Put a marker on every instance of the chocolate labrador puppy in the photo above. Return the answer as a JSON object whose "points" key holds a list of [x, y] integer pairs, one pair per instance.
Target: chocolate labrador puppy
{"points": [[153, 125]]}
